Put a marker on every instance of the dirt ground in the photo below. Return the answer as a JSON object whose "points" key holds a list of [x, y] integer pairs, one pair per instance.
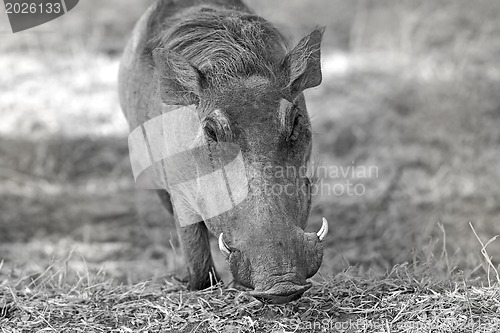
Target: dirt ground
{"points": [[410, 89]]}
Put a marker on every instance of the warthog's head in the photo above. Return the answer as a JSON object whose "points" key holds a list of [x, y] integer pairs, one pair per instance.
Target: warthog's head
{"points": [[248, 92]]}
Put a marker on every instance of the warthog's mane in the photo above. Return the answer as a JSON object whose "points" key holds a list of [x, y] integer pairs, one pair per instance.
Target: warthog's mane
{"points": [[223, 44]]}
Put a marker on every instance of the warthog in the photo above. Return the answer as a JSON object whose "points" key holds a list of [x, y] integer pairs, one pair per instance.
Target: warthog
{"points": [[247, 89]]}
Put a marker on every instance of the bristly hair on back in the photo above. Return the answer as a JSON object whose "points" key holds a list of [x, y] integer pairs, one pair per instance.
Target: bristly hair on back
{"points": [[223, 44]]}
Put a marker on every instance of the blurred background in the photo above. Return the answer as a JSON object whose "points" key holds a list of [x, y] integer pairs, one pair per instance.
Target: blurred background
{"points": [[411, 88]]}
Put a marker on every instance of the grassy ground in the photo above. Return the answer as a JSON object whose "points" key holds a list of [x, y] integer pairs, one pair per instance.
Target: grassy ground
{"points": [[406, 299], [410, 88]]}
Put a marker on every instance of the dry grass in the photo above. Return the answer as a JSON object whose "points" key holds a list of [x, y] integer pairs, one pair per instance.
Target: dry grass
{"points": [[409, 298], [428, 295], [413, 91]]}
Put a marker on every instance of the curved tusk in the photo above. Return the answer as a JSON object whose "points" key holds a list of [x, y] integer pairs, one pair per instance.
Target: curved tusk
{"points": [[223, 247], [323, 231]]}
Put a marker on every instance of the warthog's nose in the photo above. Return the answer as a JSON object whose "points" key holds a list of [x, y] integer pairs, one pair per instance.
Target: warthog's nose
{"points": [[281, 292]]}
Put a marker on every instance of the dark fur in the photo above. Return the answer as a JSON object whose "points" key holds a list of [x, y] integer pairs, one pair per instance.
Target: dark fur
{"points": [[223, 44]]}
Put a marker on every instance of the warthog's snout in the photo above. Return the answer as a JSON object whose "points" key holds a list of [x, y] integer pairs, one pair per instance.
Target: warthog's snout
{"points": [[276, 267], [281, 292]]}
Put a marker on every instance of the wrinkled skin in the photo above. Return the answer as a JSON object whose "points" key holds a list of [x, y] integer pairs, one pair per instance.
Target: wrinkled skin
{"points": [[268, 248]]}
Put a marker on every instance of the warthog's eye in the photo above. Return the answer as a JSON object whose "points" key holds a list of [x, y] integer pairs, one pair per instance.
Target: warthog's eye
{"points": [[210, 132], [217, 127], [297, 125]]}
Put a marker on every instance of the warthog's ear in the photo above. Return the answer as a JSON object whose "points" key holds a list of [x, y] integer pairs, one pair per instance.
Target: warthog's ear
{"points": [[304, 63], [180, 82]]}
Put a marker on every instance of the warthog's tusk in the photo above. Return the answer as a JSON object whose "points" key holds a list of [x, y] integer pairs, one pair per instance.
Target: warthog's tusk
{"points": [[223, 247], [323, 231]]}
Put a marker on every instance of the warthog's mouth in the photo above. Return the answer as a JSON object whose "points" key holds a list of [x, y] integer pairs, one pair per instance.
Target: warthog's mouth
{"points": [[281, 292]]}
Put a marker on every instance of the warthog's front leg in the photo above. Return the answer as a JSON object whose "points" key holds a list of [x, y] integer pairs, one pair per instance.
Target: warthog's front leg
{"points": [[196, 247], [195, 244]]}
